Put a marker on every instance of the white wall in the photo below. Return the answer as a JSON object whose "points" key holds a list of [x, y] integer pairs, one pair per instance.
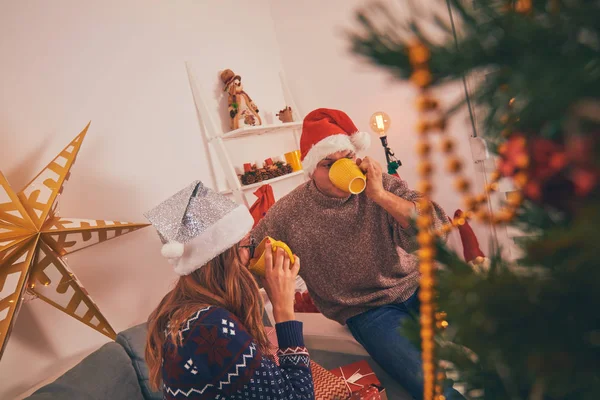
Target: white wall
{"points": [[324, 73], [120, 64]]}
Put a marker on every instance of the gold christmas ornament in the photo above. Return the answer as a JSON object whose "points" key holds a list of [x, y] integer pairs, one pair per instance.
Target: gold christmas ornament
{"points": [[34, 240], [421, 78], [418, 54], [425, 103]]}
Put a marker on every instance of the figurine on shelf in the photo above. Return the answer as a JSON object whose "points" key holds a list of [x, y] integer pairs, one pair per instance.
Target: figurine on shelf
{"points": [[286, 115], [242, 110]]}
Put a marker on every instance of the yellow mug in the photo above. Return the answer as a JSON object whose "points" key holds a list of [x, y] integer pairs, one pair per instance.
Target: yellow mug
{"points": [[347, 176], [293, 158], [257, 264]]}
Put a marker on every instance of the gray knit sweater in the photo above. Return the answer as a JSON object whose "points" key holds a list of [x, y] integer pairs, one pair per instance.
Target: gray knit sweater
{"points": [[354, 255]]}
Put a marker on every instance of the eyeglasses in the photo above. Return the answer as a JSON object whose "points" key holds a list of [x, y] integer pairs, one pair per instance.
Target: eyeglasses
{"points": [[251, 247]]}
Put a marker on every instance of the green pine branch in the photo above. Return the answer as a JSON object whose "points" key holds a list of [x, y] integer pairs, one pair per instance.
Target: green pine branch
{"points": [[531, 331], [512, 328]]}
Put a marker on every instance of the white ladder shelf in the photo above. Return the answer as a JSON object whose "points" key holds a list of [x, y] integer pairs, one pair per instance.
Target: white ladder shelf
{"points": [[216, 139]]}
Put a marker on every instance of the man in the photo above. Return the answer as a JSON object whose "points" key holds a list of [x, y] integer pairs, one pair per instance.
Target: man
{"points": [[355, 249]]}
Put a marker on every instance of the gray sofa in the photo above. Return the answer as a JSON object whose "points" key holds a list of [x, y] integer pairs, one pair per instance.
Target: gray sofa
{"points": [[117, 371]]}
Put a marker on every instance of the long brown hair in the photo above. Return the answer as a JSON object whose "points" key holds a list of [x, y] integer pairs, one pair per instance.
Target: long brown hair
{"points": [[224, 282]]}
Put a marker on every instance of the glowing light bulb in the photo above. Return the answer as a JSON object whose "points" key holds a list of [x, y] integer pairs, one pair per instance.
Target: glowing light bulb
{"points": [[380, 122]]}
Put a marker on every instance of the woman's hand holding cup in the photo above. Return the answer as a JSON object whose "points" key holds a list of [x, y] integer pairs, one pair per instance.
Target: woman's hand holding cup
{"points": [[280, 282]]}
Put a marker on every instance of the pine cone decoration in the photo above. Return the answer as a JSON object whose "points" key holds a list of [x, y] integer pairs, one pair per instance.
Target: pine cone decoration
{"points": [[248, 178]]}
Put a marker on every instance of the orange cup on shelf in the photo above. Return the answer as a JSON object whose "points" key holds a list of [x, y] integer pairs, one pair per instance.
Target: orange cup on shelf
{"points": [[347, 176], [257, 264], [293, 159]]}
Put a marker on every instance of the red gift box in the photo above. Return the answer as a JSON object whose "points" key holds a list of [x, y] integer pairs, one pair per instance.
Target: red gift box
{"points": [[327, 386], [370, 393], [247, 167], [269, 161], [357, 376]]}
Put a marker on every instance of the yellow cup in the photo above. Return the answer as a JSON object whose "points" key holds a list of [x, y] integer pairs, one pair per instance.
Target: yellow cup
{"points": [[293, 158], [347, 176], [257, 264]]}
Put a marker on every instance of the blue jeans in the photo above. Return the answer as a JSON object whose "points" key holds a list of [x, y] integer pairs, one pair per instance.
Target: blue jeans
{"points": [[377, 330]]}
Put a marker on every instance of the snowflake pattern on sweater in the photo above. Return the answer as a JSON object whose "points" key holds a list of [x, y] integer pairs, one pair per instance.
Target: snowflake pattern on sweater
{"points": [[218, 359]]}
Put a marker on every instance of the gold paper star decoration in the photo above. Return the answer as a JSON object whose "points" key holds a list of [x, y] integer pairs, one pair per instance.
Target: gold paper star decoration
{"points": [[34, 239]]}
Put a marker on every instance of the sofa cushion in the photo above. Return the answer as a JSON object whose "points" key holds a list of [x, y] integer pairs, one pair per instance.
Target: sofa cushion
{"points": [[107, 373], [133, 341]]}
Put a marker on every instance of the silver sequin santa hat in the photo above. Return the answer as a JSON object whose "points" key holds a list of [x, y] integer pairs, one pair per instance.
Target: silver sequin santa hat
{"points": [[197, 224]]}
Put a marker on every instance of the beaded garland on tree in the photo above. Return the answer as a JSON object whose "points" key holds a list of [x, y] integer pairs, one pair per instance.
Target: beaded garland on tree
{"points": [[432, 120]]}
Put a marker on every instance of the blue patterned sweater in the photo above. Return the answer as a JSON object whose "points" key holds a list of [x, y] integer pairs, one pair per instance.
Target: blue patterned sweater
{"points": [[218, 359]]}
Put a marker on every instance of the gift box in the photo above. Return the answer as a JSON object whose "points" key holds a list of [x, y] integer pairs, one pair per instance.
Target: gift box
{"points": [[327, 385], [370, 392], [357, 376]]}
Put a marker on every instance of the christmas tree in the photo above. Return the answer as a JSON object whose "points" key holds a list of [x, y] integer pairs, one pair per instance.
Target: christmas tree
{"points": [[531, 332]]}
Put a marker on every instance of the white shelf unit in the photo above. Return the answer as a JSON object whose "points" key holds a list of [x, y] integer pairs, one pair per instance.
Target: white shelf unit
{"points": [[258, 184], [216, 139], [260, 130]]}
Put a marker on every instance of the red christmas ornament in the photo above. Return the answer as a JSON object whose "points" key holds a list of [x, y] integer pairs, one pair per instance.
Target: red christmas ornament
{"points": [[545, 163], [469, 241], [580, 153]]}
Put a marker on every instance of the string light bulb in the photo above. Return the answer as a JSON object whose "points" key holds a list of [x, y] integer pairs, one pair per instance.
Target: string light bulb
{"points": [[380, 123]]}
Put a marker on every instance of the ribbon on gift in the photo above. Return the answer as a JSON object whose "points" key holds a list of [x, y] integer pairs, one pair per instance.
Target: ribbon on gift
{"points": [[354, 378], [357, 375]]}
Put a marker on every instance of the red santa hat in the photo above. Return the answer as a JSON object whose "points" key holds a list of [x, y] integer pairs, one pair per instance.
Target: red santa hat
{"points": [[326, 131]]}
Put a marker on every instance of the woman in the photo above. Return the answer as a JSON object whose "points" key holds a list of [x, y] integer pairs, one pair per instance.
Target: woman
{"points": [[206, 339]]}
